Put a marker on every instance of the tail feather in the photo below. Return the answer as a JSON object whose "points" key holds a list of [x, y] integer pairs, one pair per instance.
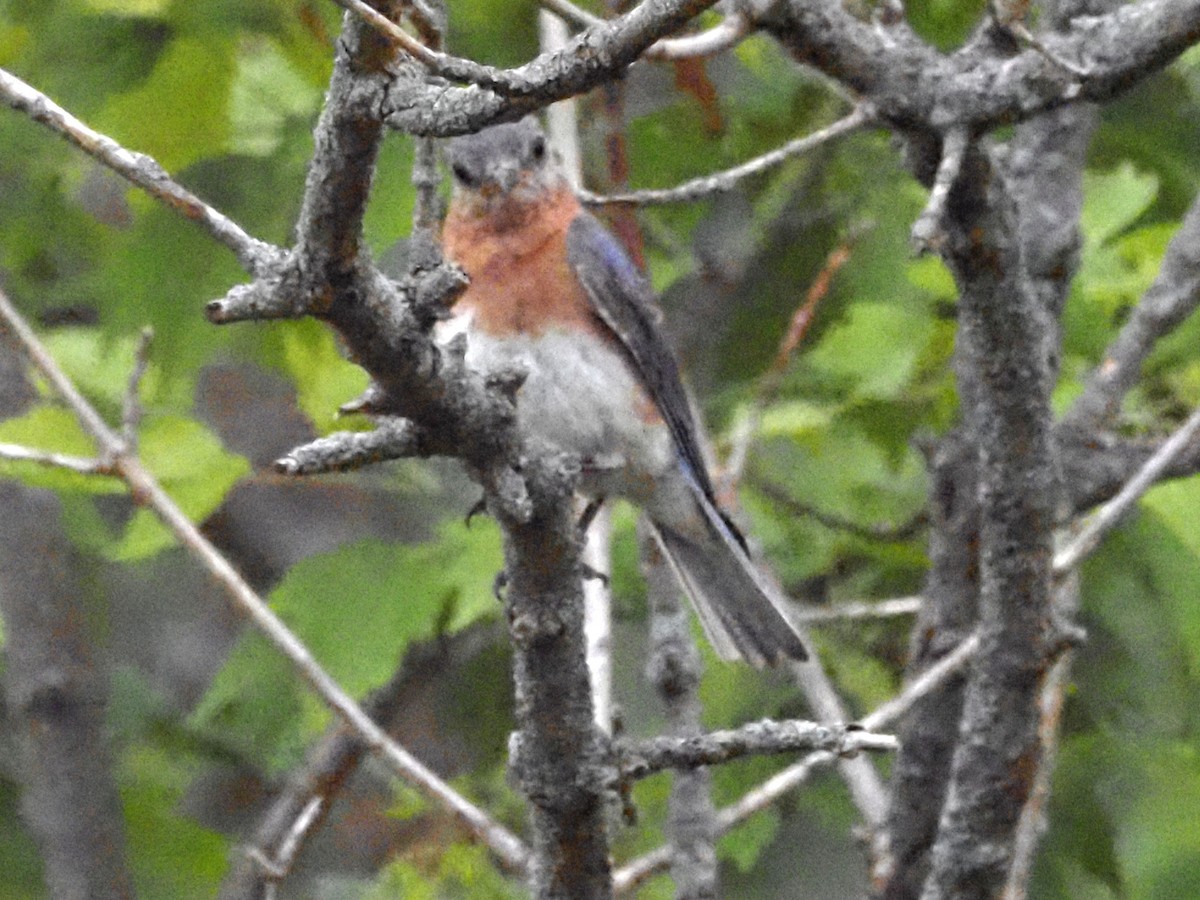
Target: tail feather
{"points": [[741, 616]]}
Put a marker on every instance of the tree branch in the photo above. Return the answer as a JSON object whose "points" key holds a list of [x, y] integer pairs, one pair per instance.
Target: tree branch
{"points": [[675, 668], [139, 169], [421, 105], [981, 86], [631, 875], [641, 759], [1172, 297], [57, 693], [720, 182], [147, 491], [1002, 331]]}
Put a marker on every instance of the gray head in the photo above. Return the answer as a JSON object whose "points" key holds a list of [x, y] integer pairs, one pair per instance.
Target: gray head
{"points": [[503, 159]]}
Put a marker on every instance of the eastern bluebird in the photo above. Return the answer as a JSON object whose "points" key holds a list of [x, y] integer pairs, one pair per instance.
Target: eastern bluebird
{"points": [[551, 288]]}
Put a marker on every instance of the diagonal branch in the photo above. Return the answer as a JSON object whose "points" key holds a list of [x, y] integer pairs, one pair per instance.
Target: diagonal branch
{"points": [[1172, 297], [1107, 516], [138, 168], [425, 106], [634, 873], [148, 492], [720, 182]]}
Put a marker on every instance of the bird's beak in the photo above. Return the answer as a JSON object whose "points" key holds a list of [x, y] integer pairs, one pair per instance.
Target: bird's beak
{"points": [[507, 176]]}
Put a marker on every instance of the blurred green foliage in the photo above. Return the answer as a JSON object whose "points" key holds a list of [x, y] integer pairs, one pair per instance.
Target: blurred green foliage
{"points": [[225, 94]]}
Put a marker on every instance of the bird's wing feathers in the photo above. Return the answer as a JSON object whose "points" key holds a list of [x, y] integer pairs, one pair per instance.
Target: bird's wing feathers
{"points": [[739, 612], [623, 300]]}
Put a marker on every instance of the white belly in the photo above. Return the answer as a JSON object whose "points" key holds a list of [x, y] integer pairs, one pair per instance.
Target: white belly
{"points": [[579, 397]]}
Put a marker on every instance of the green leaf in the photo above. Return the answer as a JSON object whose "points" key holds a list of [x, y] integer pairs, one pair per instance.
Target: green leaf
{"points": [[1159, 842], [1177, 571], [930, 274], [266, 91], [875, 350], [1113, 200], [254, 705], [192, 466], [360, 606], [19, 858], [178, 115], [324, 378], [100, 365], [171, 855]]}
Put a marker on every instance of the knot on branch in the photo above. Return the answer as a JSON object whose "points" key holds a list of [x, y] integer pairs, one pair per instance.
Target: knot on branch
{"points": [[432, 291]]}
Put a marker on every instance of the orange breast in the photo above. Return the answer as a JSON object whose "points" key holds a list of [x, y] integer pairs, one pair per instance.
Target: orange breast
{"points": [[520, 279]]}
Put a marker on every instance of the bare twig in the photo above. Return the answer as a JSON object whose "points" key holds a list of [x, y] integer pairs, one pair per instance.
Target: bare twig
{"points": [[1022, 32], [572, 13], [597, 616], [346, 450], [928, 232], [1103, 519], [131, 407], [277, 867], [81, 464], [883, 531], [1053, 697], [139, 169], [862, 779], [900, 606], [720, 182], [772, 378], [636, 872], [642, 26], [732, 29], [143, 486], [641, 759], [674, 668], [1169, 301]]}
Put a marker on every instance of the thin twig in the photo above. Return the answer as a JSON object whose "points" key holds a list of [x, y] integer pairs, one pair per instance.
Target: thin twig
{"points": [[1103, 519], [721, 37], [772, 379], [502, 81], [1166, 304], [1033, 821], [139, 169], [148, 492], [81, 464], [280, 865], [876, 532], [862, 779], [131, 407], [928, 232], [719, 182], [1022, 33], [636, 872], [572, 13], [726, 34], [899, 606]]}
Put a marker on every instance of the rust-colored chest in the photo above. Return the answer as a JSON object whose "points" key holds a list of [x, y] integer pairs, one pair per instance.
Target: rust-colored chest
{"points": [[516, 257]]}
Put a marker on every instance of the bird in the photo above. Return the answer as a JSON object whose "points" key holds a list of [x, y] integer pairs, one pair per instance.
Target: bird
{"points": [[551, 290]]}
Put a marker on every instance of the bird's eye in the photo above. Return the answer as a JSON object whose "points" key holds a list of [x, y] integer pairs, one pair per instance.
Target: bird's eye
{"points": [[463, 174], [539, 148]]}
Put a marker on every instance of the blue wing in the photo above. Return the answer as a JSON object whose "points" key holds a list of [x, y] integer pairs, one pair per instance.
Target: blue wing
{"points": [[625, 303]]}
